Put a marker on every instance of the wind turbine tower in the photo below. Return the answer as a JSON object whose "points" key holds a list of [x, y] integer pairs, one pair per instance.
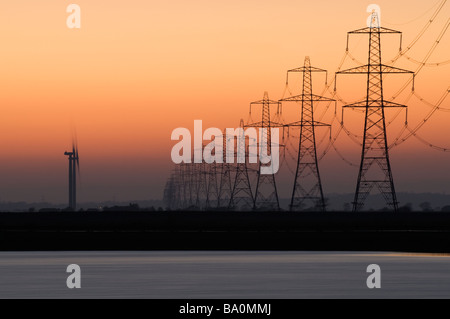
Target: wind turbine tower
{"points": [[74, 168]]}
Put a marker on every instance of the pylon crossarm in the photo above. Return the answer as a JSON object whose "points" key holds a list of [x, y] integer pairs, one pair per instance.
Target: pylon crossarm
{"points": [[260, 124], [374, 29], [265, 102], [374, 103], [306, 123], [318, 98], [304, 69], [307, 97], [363, 69], [390, 69]]}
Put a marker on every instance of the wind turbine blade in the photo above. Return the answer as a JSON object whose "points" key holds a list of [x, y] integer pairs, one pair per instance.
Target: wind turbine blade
{"points": [[74, 141], [75, 149], [77, 157]]}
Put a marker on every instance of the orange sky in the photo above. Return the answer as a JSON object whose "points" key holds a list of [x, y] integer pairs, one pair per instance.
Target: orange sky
{"points": [[136, 70]]}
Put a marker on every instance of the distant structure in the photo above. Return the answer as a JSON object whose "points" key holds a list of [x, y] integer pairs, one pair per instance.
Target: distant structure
{"points": [[232, 186], [307, 183], [74, 168], [266, 194], [225, 185], [212, 185], [170, 196], [241, 194], [375, 169]]}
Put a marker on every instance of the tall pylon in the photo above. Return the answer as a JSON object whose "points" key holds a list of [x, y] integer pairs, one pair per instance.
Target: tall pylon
{"points": [[266, 194], [169, 192], [182, 180], [212, 190], [307, 183], [202, 184], [172, 191], [225, 186], [189, 185], [375, 169], [241, 195]]}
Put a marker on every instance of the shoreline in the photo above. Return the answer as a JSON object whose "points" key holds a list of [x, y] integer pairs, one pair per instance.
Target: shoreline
{"points": [[282, 231]]}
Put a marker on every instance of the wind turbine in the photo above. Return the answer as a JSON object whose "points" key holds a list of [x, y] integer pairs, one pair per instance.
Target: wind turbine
{"points": [[74, 168]]}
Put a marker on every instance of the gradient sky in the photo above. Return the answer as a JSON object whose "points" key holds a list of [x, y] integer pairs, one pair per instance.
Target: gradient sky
{"points": [[136, 70]]}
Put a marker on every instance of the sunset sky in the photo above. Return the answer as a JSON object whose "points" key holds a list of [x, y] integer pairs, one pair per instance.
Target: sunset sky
{"points": [[136, 70]]}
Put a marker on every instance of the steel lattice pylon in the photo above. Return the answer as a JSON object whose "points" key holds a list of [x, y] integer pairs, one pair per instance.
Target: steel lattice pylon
{"points": [[307, 184], [202, 185], [172, 190], [189, 185], [375, 169], [266, 195], [241, 194], [212, 192], [225, 188]]}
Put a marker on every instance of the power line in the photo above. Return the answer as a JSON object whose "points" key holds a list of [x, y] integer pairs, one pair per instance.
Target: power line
{"points": [[399, 140], [415, 19]]}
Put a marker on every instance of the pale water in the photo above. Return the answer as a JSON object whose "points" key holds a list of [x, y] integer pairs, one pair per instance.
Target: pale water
{"points": [[223, 274]]}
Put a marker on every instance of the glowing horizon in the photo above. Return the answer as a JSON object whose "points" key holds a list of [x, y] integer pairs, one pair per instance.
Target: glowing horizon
{"points": [[137, 70]]}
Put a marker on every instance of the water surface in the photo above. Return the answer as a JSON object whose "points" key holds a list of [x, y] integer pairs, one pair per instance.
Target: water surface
{"points": [[223, 274]]}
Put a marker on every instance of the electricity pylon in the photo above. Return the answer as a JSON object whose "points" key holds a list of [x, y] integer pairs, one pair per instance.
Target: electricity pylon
{"points": [[188, 168], [169, 192], [307, 184], [225, 188], [202, 184], [266, 195], [212, 191], [375, 168], [172, 190], [241, 195]]}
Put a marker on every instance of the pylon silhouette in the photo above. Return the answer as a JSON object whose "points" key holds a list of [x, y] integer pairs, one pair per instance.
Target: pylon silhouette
{"points": [[202, 184], [225, 187], [212, 192], [266, 195], [172, 190], [375, 168], [307, 183], [241, 195]]}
